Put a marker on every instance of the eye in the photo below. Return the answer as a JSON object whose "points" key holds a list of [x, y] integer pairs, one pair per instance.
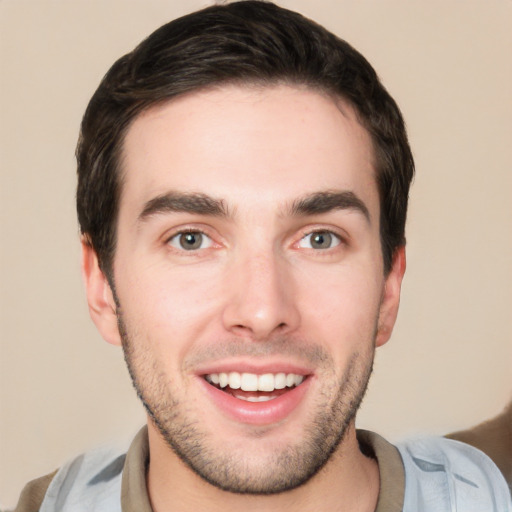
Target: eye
{"points": [[320, 240], [191, 241]]}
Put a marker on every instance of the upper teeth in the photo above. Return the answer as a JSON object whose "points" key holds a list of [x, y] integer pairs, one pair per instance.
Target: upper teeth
{"points": [[254, 382]]}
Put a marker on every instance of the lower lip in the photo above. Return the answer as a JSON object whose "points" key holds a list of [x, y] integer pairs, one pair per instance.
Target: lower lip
{"points": [[257, 413]]}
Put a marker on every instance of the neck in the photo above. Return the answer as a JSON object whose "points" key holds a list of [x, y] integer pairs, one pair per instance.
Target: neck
{"points": [[348, 482]]}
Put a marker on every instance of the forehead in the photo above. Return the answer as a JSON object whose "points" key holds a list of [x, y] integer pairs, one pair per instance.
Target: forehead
{"points": [[247, 145]]}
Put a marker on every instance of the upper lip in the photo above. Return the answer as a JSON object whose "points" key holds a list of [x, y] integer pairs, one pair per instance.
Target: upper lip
{"points": [[251, 366]]}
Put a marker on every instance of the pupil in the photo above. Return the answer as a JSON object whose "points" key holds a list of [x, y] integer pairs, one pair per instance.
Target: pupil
{"points": [[190, 240], [321, 240]]}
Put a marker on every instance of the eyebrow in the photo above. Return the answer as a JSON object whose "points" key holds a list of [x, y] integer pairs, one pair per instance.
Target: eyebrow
{"points": [[197, 203], [324, 202], [315, 203]]}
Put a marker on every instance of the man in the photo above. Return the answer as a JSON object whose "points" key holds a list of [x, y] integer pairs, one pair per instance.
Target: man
{"points": [[243, 180]]}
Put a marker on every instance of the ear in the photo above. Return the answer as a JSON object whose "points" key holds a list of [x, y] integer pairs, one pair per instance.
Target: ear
{"points": [[102, 306], [390, 298]]}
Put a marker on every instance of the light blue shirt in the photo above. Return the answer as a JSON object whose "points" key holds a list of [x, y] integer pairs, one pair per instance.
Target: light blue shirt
{"points": [[441, 475]]}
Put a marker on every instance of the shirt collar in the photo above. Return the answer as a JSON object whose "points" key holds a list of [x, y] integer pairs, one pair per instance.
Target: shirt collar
{"points": [[134, 494]]}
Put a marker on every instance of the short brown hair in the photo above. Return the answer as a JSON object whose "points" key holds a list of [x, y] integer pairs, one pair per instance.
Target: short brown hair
{"points": [[243, 42]]}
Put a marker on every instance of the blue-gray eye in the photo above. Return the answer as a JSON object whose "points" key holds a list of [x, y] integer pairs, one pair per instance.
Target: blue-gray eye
{"points": [[190, 241], [320, 240]]}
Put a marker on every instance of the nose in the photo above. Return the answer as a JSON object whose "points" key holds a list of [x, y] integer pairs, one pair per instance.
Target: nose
{"points": [[261, 297]]}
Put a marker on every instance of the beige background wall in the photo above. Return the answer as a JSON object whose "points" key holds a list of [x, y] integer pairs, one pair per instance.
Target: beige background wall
{"points": [[63, 390]]}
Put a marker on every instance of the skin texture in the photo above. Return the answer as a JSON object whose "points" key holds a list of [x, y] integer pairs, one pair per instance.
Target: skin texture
{"points": [[255, 293]]}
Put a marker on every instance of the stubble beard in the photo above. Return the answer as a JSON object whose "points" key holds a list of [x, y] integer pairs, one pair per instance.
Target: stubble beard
{"points": [[285, 469]]}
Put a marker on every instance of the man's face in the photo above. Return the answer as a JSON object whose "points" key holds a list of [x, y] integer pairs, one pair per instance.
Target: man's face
{"points": [[249, 255]]}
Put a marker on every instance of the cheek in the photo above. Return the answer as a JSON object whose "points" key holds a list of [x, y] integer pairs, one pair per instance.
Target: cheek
{"points": [[342, 304], [168, 308]]}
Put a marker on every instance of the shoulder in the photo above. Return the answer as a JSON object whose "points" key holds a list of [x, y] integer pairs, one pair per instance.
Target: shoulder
{"points": [[494, 438], [448, 472], [89, 482]]}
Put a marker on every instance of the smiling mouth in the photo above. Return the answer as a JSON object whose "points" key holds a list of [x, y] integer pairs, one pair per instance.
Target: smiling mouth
{"points": [[253, 387]]}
